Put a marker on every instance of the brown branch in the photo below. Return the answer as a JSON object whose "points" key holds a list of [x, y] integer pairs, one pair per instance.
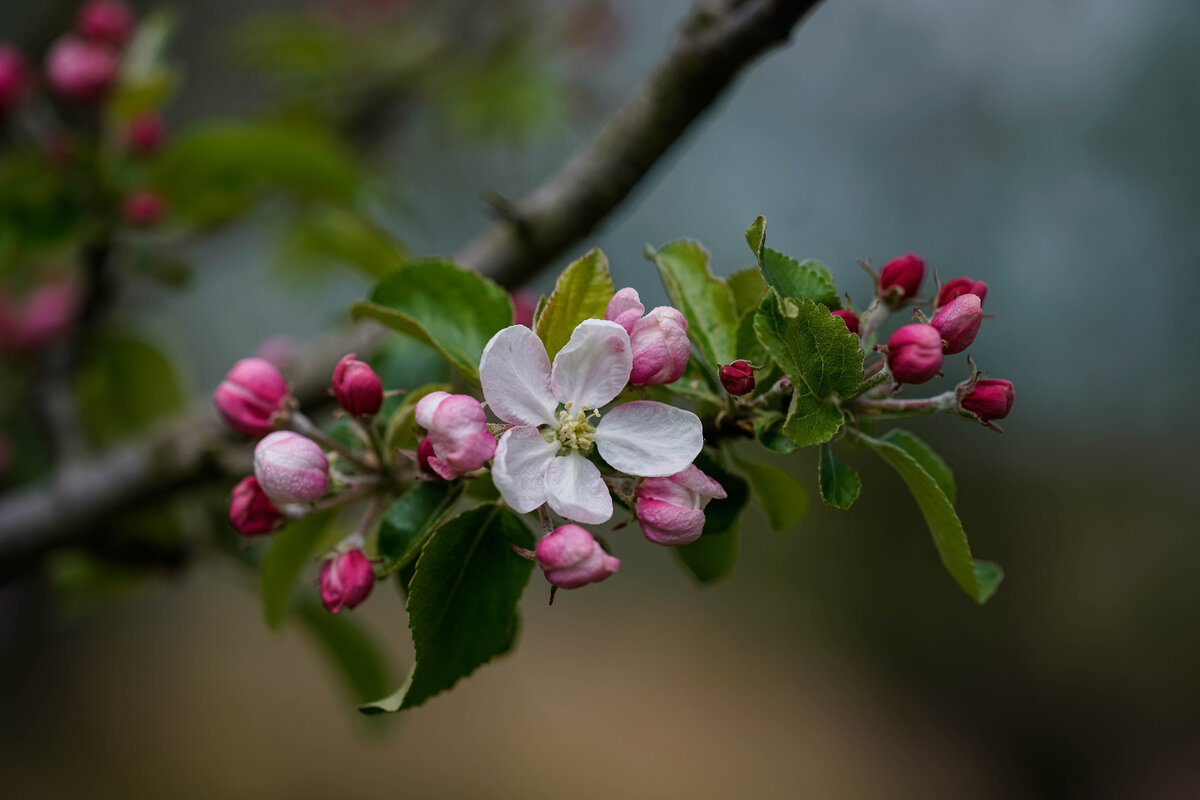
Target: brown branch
{"points": [[716, 40]]}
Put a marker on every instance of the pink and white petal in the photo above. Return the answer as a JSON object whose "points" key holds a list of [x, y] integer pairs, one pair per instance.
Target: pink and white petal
{"points": [[427, 406], [649, 439], [694, 479], [594, 365], [663, 523], [668, 491], [575, 490], [515, 374], [625, 308], [519, 468]]}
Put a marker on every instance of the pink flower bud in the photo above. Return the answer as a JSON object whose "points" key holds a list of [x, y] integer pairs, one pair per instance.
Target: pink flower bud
{"points": [[958, 322], [848, 317], [252, 393], [81, 70], [959, 286], [143, 209], [990, 399], [106, 21], [251, 512], [625, 309], [291, 468], [671, 510], [915, 353], [571, 558], [14, 77], [145, 134], [346, 580], [424, 453], [42, 318], [357, 387], [660, 347], [901, 278], [525, 305], [737, 378], [458, 434]]}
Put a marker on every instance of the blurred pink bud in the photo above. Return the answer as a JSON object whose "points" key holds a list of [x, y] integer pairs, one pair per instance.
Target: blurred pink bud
{"points": [[737, 378], [901, 278], [625, 309], [458, 433], [915, 353], [959, 286], [357, 388], [251, 512], [525, 305], [671, 510], [571, 558], [279, 350], [145, 134], [81, 70], [848, 317], [291, 468], [958, 322], [660, 346], [14, 77], [252, 393], [106, 21], [346, 580], [991, 399], [143, 209], [40, 319]]}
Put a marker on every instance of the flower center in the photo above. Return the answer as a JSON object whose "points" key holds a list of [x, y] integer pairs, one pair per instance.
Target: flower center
{"points": [[574, 430]]}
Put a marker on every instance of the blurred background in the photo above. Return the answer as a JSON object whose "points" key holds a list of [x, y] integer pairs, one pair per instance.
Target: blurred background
{"points": [[1045, 147]]}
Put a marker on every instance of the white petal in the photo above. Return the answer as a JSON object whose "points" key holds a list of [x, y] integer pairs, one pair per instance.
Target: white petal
{"points": [[515, 373], [575, 490], [649, 439], [519, 468], [427, 406], [594, 365]]}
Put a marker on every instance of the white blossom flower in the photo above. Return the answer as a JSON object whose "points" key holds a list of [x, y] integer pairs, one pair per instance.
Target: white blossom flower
{"points": [[556, 414]]}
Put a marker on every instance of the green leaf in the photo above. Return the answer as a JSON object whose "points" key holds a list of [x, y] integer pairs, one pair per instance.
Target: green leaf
{"points": [[840, 484], [924, 455], [581, 292], [410, 521], [712, 556], [462, 602], [399, 431], [330, 235], [450, 309], [124, 385], [748, 346], [350, 651], [820, 357], [756, 236], [947, 530], [705, 301], [783, 498], [748, 288], [809, 280], [768, 429], [292, 549]]}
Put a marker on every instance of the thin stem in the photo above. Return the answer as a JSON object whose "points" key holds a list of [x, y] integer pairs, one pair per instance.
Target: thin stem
{"points": [[301, 424], [385, 463], [547, 524], [877, 376], [871, 319], [342, 499], [900, 409]]}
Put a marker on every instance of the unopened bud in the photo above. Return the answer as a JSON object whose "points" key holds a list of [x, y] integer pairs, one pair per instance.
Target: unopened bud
{"points": [[737, 378], [145, 134], [525, 305], [625, 308], [291, 468], [252, 393], [671, 510], [901, 278], [14, 77], [958, 322], [347, 578], [42, 318], [915, 353], [458, 434], [106, 21], [960, 286], [357, 388], [570, 557], [251, 512], [79, 69], [848, 317], [424, 453], [143, 209], [990, 399], [660, 347]]}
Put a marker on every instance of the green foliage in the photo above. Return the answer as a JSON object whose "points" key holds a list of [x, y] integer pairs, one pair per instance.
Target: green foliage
{"points": [[978, 580], [581, 292], [840, 484], [125, 385], [447, 308], [40, 211], [462, 601], [756, 237], [291, 550], [809, 280], [924, 455], [350, 651], [410, 521], [325, 234], [705, 301], [821, 358], [748, 288], [783, 498], [147, 82]]}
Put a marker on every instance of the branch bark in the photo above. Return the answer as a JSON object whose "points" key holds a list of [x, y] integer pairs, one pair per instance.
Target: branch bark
{"points": [[716, 40]]}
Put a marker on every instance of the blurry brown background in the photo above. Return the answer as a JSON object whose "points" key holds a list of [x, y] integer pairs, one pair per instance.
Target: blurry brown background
{"points": [[1045, 147]]}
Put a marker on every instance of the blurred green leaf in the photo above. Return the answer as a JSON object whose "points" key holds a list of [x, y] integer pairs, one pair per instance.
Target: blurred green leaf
{"points": [[325, 234], [783, 498], [450, 309], [581, 292], [352, 653], [924, 455], [292, 548], [748, 288], [124, 385], [796, 280], [768, 429], [410, 521], [705, 301], [712, 556], [840, 484]]}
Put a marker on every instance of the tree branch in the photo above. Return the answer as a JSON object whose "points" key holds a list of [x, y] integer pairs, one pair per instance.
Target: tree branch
{"points": [[716, 40]]}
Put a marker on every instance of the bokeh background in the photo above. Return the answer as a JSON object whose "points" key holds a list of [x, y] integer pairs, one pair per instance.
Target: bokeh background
{"points": [[1045, 146]]}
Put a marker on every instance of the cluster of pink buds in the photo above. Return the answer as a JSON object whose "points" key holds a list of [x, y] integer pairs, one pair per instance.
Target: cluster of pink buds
{"points": [[83, 65]]}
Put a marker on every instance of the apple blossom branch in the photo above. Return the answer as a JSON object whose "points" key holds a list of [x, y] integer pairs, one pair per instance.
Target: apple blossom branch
{"points": [[715, 42]]}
